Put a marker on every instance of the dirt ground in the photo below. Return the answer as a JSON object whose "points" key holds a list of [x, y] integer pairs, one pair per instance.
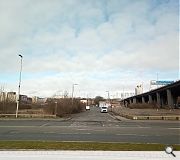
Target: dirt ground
{"points": [[120, 110]]}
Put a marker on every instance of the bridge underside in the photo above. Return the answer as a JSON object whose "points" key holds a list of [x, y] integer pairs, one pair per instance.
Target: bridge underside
{"points": [[161, 97]]}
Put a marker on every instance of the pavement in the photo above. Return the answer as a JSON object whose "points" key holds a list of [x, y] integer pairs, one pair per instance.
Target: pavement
{"points": [[86, 155], [92, 126]]}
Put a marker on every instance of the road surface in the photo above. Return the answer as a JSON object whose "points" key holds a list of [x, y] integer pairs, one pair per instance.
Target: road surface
{"points": [[92, 126]]}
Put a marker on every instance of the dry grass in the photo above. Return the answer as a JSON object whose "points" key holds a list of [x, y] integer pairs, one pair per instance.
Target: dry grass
{"points": [[142, 106], [52, 145], [7, 107]]}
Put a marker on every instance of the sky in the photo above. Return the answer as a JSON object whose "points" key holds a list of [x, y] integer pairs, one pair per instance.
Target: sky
{"points": [[101, 45]]}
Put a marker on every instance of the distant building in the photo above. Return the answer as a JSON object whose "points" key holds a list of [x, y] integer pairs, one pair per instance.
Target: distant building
{"points": [[29, 100], [23, 98], [104, 104], [138, 89], [38, 100], [83, 101]]}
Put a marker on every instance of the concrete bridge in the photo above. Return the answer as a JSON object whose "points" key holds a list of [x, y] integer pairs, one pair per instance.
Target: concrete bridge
{"points": [[163, 96]]}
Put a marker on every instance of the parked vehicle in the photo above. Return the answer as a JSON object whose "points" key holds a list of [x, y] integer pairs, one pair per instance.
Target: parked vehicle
{"points": [[87, 108]]}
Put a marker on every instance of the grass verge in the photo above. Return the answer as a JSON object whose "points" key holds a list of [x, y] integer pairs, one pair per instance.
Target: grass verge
{"points": [[53, 145]]}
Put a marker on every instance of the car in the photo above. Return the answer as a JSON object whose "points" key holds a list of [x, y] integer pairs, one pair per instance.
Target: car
{"points": [[104, 109], [87, 108]]}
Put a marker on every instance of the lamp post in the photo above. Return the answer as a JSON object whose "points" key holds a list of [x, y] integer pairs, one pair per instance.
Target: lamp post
{"points": [[108, 96], [157, 81], [73, 92], [19, 87]]}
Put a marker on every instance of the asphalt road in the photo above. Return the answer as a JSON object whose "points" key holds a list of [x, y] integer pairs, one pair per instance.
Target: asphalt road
{"points": [[92, 126]]}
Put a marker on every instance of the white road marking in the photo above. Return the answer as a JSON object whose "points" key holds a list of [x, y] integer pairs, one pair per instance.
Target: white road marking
{"points": [[142, 135], [99, 130], [74, 133], [173, 128], [49, 132], [44, 124], [126, 134], [82, 129], [144, 127], [112, 116], [14, 132]]}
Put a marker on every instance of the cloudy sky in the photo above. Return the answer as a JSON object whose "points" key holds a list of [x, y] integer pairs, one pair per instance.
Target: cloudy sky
{"points": [[99, 44]]}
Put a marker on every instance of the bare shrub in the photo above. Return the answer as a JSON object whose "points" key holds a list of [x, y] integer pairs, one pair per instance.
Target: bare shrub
{"points": [[7, 107], [25, 106], [64, 107]]}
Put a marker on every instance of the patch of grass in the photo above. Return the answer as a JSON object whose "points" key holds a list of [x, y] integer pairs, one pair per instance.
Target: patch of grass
{"points": [[53, 145]]}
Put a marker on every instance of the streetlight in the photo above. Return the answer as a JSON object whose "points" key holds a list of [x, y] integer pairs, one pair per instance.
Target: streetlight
{"points": [[73, 92], [108, 96], [19, 87], [157, 81]]}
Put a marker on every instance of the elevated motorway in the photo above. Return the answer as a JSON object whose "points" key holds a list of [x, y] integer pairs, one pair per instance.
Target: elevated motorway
{"points": [[163, 96]]}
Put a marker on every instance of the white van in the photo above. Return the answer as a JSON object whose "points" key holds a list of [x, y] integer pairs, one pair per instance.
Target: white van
{"points": [[87, 108], [104, 109]]}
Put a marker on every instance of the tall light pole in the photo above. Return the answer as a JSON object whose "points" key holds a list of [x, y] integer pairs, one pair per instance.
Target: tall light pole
{"points": [[157, 80], [108, 96], [73, 92], [19, 87]]}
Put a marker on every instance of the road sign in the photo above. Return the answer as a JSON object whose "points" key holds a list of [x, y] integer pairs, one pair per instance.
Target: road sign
{"points": [[153, 82]]}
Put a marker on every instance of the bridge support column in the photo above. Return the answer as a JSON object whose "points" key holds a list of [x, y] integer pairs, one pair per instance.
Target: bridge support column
{"points": [[143, 100], [130, 101], [150, 99], [158, 99], [134, 100], [169, 98]]}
